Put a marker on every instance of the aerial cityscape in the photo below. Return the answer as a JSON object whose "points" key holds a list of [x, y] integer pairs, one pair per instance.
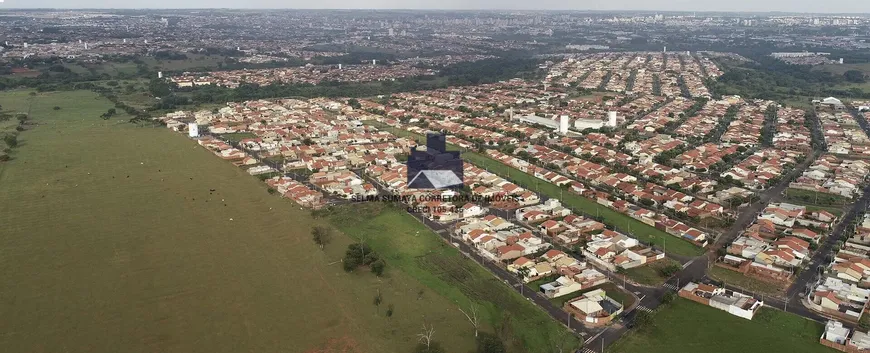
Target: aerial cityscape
{"points": [[449, 179]]}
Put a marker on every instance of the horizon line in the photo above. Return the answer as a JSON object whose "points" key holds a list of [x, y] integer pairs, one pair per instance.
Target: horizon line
{"points": [[437, 9]]}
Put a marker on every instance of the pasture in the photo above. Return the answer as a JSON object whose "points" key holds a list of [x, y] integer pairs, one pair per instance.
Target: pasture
{"points": [[407, 244], [119, 238]]}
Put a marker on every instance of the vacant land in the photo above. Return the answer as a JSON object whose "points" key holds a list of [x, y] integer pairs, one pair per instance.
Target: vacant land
{"points": [[841, 69], [118, 238], [407, 244], [623, 222], [686, 326], [193, 61], [807, 197], [651, 274], [238, 136], [748, 283]]}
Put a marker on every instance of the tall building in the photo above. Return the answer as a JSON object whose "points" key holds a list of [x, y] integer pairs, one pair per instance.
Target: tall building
{"points": [[563, 124], [193, 130]]}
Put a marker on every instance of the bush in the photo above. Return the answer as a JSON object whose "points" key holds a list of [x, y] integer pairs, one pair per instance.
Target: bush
{"points": [[489, 343], [670, 270], [378, 267], [11, 140], [669, 297]]}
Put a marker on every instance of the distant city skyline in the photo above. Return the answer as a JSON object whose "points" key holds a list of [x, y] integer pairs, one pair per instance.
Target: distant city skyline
{"points": [[803, 6]]}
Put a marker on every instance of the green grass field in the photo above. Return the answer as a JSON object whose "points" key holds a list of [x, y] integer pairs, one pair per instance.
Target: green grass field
{"points": [[638, 229], [840, 69], [685, 326], [194, 61], [408, 245], [238, 136], [112, 241]]}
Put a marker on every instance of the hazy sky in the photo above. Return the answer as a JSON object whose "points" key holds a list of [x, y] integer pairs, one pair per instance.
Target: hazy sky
{"points": [[838, 6]]}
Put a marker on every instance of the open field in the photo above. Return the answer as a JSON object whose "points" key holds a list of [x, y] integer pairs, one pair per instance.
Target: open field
{"points": [[840, 69], [625, 223], [194, 61], [685, 326], [650, 274], [408, 245], [238, 136], [115, 242], [807, 197], [748, 283]]}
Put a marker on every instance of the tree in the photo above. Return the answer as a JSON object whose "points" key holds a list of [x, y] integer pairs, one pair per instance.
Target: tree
{"points": [[670, 270], [56, 108], [523, 272], [489, 343], [472, 317], [390, 310], [321, 235], [358, 254], [378, 267], [668, 297], [642, 318], [426, 336]]}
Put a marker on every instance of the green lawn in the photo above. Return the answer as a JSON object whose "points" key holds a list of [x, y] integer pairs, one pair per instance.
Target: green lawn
{"points": [[638, 229], [650, 274], [749, 283], [112, 240], [686, 327], [408, 245]]}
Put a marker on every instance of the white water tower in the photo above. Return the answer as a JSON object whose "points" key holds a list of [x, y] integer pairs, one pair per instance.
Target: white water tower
{"points": [[193, 130], [159, 74]]}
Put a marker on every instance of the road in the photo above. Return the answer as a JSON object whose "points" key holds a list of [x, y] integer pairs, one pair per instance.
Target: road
{"points": [[750, 213]]}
